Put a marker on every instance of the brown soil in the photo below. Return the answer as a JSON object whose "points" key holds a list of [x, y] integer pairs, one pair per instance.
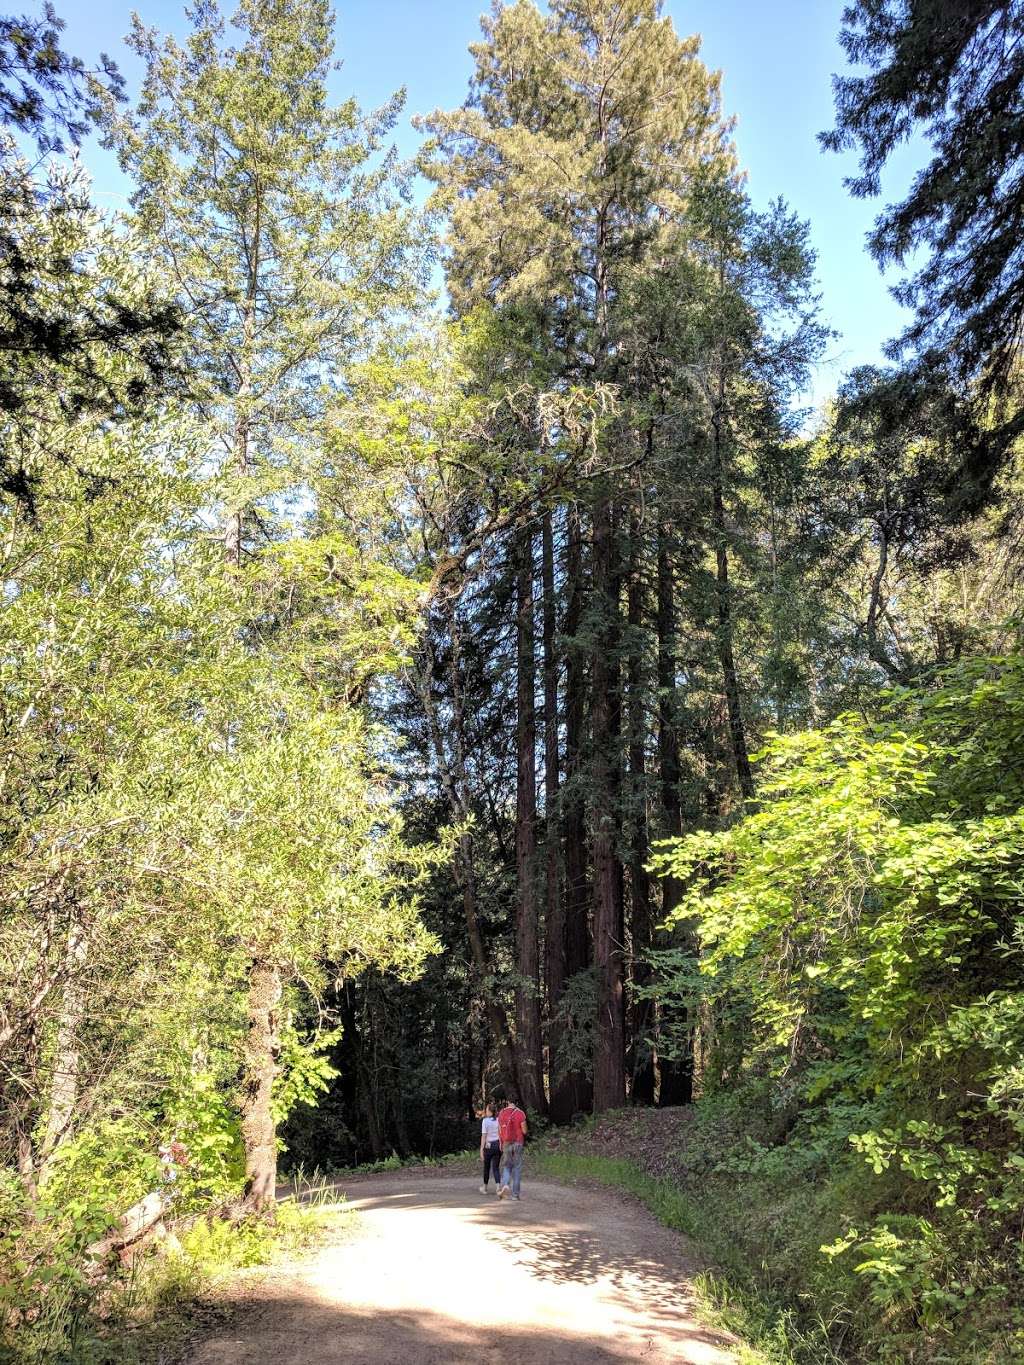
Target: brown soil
{"points": [[438, 1274]]}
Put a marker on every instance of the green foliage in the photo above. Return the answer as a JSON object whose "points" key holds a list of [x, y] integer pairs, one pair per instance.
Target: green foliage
{"points": [[191, 781], [575, 1022], [534, 141], [862, 946], [953, 72], [144, 1314], [213, 1247], [256, 663], [305, 1072], [80, 332]]}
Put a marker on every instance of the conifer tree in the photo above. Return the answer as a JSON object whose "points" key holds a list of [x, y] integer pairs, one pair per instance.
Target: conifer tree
{"points": [[60, 319], [952, 69], [572, 160]]}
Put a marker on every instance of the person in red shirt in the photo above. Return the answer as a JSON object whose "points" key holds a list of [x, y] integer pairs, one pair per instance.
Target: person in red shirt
{"points": [[512, 1128]]}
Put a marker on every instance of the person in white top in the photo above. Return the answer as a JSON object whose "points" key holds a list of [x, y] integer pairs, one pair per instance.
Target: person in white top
{"points": [[490, 1148]]}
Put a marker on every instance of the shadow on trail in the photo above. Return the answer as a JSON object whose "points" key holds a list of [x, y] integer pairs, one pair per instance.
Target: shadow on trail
{"points": [[435, 1272], [308, 1330], [548, 1241], [578, 1256], [551, 1243]]}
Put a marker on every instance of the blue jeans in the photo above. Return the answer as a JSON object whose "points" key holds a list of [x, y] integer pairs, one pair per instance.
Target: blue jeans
{"points": [[512, 1166], [492, 1160]]}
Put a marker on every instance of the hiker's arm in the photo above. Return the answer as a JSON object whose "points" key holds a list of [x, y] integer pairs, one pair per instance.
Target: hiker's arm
{"points": [[525, 1128]]}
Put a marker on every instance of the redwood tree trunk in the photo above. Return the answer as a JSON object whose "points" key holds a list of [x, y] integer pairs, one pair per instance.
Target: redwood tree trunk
{"points": [[609, 957], [668, 739], [571, 1088], [368, 1075], [641, 1012], [554, 906], [675, 1073], [259, 1066], [726, 657], [528, 1031]]}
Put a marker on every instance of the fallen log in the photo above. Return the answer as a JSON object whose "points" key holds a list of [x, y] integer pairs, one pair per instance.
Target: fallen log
{"points": [[140, 1222]]}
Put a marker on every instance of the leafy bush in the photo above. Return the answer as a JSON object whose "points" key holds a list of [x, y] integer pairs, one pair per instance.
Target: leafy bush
{"points": [[861, 979], [52, 1310]]}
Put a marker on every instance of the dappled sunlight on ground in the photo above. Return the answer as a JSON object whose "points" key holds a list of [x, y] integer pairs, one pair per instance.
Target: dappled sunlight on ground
{"points": [[440, 1273]]}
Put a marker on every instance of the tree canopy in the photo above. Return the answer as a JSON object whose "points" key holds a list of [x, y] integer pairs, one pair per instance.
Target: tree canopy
{"points": [[402, 705]]}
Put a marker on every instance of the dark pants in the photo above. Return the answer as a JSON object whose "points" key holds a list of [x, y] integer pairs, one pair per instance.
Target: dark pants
{"points": [[492, 1160]]}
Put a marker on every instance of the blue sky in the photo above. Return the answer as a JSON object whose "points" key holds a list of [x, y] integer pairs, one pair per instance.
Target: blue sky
{"points": [[777, 58]]}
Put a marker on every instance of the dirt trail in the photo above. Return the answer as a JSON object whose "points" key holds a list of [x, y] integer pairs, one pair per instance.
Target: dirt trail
{"points": [[438, 1274]]}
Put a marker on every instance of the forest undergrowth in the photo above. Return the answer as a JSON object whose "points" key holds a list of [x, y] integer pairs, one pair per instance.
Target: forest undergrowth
{"points": [[759, 1212], [160, 1303]]}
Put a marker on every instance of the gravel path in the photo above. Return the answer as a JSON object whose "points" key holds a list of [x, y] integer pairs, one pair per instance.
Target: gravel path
{"points": [[438, 1274]]}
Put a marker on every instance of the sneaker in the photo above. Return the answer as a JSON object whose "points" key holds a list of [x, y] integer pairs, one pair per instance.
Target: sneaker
{"points": [[517, 1196], [484, 1189], [502, 1191]]}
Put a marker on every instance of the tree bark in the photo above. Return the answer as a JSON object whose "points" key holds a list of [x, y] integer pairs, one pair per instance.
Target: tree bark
{"points": [[675, 1073], [528, 1031], [609, 957], [131, 1227], [554, 930], [572, 1089], [259, 1067], [726, 657], [67, 1056], [668, 739], [496, 1019], [641, 1059]]}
